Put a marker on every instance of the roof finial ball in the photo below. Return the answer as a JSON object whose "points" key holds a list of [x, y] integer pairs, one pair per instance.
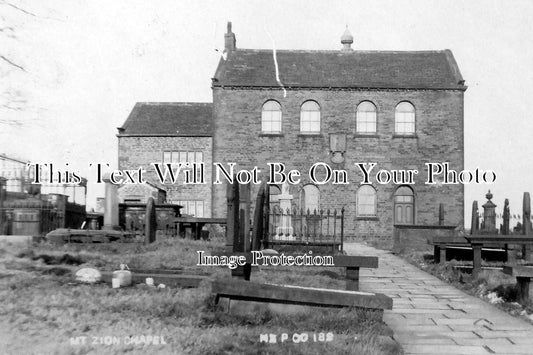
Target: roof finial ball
{"points": [[347, 40]]}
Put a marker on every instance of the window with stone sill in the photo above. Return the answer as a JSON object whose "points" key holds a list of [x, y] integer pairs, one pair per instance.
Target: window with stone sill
{"points": [[366, 201], [271, 117], [182, 157], [193, 208], [365, 118], [310, 118], [404, 119]]}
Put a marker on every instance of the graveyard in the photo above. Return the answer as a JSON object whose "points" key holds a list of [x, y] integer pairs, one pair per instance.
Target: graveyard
{"points": [[263, 281], [44, 306], [490, 261], [189, 306]]}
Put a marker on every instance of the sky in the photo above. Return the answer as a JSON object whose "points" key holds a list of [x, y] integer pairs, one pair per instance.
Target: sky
{"points": [[86, 63]]}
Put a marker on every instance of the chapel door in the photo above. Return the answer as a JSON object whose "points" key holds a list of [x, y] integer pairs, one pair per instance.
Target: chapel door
{"points": [[404, 203]]}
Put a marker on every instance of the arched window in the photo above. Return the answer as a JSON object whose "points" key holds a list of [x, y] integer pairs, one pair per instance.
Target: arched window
{"points": [[274, 192], [404, 205], [365, 120], [311, 198], [271, 117], [310, 118], [366, 201], [404, 119]]}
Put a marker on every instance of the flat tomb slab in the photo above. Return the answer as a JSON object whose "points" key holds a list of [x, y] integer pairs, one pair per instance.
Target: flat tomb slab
{"points": [[519, 271], [310, 296], [498, 238], [173, 280], [338, 260]]}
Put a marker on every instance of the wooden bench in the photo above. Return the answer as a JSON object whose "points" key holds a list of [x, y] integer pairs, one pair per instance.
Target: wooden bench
{"points": [[523, 275], [352, 264], [308, 296]]}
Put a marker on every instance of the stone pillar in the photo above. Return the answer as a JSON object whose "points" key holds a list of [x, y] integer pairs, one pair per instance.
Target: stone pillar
{"points": [[111, 205], [476, 250], [525, 289], [489, 215]]}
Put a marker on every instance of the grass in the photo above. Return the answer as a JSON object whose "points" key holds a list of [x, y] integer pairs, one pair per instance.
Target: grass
{"points": [[42, 307]]}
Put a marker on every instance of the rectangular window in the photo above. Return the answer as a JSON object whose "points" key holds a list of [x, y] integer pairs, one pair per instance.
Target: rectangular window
{"points": [[193, 208], [167, 157], [199, 157], [366, 122], [183, 157], [310, 122], [405, 123], [199, 209]]}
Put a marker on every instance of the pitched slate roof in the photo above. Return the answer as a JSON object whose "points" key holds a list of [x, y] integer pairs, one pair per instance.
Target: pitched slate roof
{"points": [[340, 69], [169, 119]]}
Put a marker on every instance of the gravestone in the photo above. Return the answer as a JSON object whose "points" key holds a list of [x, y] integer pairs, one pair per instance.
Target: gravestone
{"points": [[526, 225], [244, 215], [232, 224], [257, 233], [150, 222], [474, 227], [506, 215]]}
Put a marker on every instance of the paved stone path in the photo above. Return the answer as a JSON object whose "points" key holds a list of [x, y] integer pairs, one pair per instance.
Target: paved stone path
{"points": [[432, 317]]}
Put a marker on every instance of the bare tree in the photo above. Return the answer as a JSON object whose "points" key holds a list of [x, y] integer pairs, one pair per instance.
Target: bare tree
{"points": [[13, 71]]}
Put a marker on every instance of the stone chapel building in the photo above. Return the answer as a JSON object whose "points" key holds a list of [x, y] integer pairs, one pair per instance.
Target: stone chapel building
{"points": [[398, 109]]}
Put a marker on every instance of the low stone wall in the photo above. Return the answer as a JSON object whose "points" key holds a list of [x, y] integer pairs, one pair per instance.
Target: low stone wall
{"points": [[419, 237]]}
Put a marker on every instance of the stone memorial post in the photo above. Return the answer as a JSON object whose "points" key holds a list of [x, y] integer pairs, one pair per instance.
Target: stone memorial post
{"points": [[489, 216], [111, 205]]}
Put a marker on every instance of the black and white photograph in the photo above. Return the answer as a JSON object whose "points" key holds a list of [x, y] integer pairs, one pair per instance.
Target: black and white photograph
{"points": [[266, 177]]}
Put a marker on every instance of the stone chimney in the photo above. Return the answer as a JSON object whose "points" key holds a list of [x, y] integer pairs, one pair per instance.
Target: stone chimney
{"points": [[347, 40], [230, 43]]}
